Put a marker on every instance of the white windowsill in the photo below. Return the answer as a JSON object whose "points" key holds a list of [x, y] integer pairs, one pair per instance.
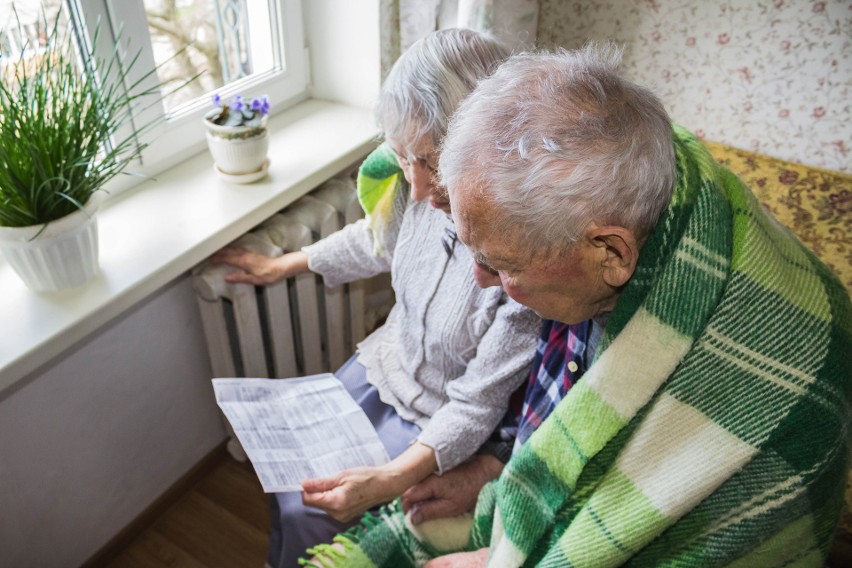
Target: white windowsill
{"points": [[160, 229]]}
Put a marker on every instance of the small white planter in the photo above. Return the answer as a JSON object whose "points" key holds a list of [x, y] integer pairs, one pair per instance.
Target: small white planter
{"points": [[61, 255], [238, 150]]}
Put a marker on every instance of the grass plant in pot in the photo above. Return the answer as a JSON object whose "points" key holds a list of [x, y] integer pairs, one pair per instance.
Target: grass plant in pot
{"points": [[65, 131], [238, 139]]}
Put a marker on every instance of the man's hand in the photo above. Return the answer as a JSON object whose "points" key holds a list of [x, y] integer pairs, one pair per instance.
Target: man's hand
{"points": [[453, 493], [460, 560], [258, 269]]}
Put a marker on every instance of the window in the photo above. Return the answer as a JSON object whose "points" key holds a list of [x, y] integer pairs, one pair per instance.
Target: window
{"points": [[250, 47], [228, 39], [21, 30]]}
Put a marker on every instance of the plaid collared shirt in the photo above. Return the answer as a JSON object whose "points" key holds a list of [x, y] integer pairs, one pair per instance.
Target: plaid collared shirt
{"points": [[560, 360]]}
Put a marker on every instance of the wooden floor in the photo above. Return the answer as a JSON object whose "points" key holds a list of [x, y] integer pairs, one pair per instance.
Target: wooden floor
{"points": [[222, 522]]}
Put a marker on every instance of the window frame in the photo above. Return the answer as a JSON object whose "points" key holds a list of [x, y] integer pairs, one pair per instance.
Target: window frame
{"points": [[173, 137]]}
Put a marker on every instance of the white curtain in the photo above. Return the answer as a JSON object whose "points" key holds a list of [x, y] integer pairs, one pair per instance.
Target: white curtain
{"points": [[513, 21]]}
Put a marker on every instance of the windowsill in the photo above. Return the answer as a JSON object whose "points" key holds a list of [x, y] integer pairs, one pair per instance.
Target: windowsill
{"points": [[160, 229]]}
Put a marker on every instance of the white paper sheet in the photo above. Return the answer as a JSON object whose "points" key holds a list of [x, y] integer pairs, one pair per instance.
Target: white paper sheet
{"points": [[295, 429]]}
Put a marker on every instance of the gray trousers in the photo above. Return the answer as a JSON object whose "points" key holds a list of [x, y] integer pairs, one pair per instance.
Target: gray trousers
{"points": [[296, 527]]}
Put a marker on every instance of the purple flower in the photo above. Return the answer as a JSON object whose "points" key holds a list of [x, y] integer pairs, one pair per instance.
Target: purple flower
{"points": [[261, 104], [239, 111]]}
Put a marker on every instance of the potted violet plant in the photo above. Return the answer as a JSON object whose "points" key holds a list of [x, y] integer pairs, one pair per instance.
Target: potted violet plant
{"points": [[65, 130], [238, 139]]}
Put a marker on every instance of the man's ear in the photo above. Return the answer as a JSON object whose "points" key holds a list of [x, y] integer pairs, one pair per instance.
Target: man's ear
{"points": [[621, 253]]}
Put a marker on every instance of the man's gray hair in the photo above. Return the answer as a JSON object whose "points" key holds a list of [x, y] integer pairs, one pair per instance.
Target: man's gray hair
{"points": [[557, 140], [427, 83]]}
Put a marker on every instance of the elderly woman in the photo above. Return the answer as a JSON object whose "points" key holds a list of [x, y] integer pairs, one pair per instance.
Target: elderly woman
{"points": [[436, 378]]}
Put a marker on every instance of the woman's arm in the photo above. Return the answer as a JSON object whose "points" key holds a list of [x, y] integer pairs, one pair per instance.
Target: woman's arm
{"points": [[348, 255], [351, 492], [258, 269], [357, 251], [478, 399], [344, 256]]}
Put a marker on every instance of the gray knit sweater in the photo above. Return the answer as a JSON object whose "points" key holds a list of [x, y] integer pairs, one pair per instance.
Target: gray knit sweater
{"points": [[450, 353]]}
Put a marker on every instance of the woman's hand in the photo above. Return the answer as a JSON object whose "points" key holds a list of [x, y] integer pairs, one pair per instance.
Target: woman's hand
{"points": [[350, 492], [258, 269], [475, 559], [453, 493]]}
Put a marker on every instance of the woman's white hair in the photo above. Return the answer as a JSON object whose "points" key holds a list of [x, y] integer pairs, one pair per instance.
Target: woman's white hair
{"points": [[427, 83], [557, 140]]}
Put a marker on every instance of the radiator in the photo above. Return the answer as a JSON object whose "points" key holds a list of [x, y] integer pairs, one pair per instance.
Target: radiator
{"points": [[295, 327]]}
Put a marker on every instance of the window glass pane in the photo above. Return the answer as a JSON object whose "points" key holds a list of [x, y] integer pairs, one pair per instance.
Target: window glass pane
{"points": [[22, 29], [224, 40]]}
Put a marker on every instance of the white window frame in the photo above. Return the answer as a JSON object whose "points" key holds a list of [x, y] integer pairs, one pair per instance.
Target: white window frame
{"points": [[178, 136]]}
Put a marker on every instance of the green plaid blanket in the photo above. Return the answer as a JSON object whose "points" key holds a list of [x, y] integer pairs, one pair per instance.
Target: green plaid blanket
{"points": [[712, 428]]}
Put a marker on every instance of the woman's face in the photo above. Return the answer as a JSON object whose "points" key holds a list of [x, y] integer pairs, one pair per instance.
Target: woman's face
{"points": [[421, 175]]}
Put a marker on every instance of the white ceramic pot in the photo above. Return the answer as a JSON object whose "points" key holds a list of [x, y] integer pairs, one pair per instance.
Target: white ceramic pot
{"points": [[238, 150], [61, 255]]}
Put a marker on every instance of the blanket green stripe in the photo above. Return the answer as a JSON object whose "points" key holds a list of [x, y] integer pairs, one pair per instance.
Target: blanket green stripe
{"points": [[379, 178], [712, 428]]}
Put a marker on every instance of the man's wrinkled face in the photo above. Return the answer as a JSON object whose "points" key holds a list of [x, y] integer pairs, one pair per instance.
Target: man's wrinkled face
{"points": [[563, 285]]}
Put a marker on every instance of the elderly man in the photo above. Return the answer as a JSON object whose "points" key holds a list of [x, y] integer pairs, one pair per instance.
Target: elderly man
{"points": [[712, 425]]}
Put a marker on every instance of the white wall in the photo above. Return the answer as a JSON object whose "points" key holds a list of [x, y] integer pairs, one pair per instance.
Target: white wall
{"points": [[344, 45], [91, 440]]}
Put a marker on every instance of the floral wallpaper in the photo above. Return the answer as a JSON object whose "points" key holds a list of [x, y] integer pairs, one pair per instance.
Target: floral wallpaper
{"points": [[771, 76]]}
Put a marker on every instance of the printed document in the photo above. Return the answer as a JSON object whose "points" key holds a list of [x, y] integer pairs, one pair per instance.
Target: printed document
{"points": [[296, 429]]}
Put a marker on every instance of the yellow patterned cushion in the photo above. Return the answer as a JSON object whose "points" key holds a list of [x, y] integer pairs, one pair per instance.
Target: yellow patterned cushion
{"points": [[817, 206]]}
